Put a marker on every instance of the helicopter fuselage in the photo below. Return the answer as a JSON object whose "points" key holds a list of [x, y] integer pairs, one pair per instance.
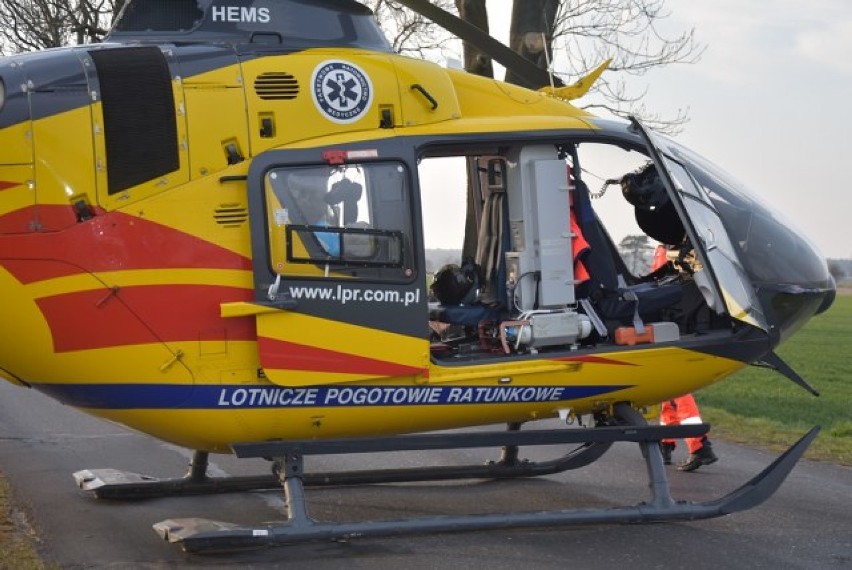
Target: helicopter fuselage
{"points": [[159, 266]]}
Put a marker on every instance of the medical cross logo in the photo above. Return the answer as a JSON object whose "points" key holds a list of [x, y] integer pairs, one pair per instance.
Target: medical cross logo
{"points": [[341, 91]]}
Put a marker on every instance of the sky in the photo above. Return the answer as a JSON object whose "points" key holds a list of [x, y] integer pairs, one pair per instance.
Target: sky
{"points": [[770, 101]]}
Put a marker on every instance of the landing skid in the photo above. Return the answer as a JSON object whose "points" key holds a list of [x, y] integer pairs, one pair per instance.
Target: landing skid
{"points": [[124, 485], [201, 535]]}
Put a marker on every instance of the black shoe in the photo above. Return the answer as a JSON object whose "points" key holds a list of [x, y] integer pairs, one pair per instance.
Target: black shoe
{"points": [[667, 449], [704, 456]]}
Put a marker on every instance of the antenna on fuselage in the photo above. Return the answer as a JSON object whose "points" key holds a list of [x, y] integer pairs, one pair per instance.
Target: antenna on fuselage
{"points": [[547, 60]]}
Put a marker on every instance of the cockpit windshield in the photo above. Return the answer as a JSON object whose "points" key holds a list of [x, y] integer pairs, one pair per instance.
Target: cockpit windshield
{"points": [[772, 252], [770, 274]]}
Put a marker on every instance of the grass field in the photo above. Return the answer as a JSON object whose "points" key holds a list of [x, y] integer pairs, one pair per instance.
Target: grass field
{"points": [[17, 550], [762, 408]]}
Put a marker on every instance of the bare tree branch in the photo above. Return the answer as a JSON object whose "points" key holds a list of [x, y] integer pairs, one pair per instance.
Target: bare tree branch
{"points": [[630, 32], [410, 33], [38, 24]]}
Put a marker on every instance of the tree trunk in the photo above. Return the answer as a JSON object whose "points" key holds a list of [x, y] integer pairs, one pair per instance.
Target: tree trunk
{"points": [[478, 62], [474, 12], [531, 33]]}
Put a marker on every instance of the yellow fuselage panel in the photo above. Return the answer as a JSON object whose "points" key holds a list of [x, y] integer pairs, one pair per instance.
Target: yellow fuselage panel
{"points": [[312, 107], [17, 194], [326, 351], [17, 144], [58, 337], [426, 91], [215, 137], [65, 165], [483, 97], [212, 209]]}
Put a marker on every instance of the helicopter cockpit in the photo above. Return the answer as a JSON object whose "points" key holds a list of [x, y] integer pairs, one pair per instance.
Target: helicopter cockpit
{"points": [[547, 274], [537, 270]]}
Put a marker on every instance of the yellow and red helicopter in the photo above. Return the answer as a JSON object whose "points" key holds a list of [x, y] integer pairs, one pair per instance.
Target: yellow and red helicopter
{"points": [[212, 231]]}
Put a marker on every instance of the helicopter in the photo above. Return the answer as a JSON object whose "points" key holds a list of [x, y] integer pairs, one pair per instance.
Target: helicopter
{"points": [[212, 232]]}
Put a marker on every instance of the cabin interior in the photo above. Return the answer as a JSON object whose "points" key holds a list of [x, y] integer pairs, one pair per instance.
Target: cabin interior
{"points": [[535, 266]]}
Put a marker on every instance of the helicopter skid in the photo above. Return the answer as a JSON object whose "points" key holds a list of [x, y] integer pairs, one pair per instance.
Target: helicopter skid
{"points": [[197, 535], [125, 485], [202, 535]]}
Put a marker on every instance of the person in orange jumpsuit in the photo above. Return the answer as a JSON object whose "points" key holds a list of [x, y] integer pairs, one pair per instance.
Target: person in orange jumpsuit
{"points": [[682, 410]]}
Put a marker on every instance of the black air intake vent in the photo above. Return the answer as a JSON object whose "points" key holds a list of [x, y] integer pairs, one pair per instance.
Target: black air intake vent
{"points": [[139, 115], [230, 216], [276, 85]]}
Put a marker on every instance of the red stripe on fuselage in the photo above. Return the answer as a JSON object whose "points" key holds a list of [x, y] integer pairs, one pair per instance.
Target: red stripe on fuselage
{"points": [[110, 242], [38, 218], [33, 271], [5, 184], [283, 355], [596, 360], [102, 318]]}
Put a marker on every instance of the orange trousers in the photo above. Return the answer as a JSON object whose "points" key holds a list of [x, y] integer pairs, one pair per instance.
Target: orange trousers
{"points": [[682, 410]]}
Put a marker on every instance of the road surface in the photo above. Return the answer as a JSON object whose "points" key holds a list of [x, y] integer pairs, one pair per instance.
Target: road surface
{"points": [[806, 524]]}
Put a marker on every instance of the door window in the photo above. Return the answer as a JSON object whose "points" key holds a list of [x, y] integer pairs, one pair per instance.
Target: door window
{"points": [[348, 221]]}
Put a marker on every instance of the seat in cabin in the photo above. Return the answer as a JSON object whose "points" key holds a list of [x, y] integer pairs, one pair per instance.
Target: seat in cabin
{"points": [[616, 295]]}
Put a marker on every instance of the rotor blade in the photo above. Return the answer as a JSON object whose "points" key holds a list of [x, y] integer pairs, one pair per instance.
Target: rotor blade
{"points": [[498, 51]]}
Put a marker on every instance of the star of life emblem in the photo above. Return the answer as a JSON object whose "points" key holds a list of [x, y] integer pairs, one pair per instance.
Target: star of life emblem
{"points": [[341, 91]]}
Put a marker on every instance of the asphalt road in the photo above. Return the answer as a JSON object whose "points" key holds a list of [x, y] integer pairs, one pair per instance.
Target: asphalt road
{"points": [[806, 524]]}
